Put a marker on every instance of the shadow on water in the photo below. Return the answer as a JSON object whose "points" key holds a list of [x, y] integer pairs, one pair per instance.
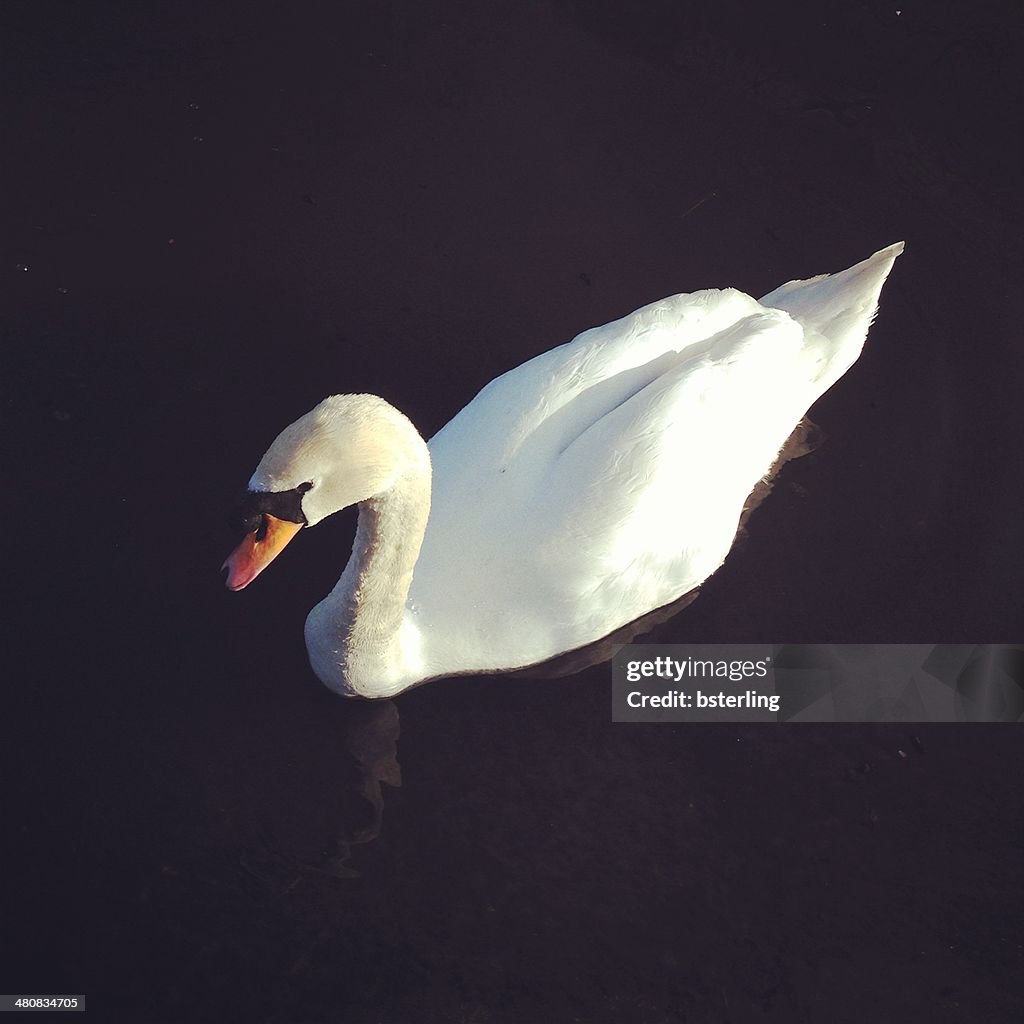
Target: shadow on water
{"points": [[303, 818]]}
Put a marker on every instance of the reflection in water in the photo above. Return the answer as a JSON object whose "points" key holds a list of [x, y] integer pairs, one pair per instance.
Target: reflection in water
{"points": [[298, 810], [371, 736]]}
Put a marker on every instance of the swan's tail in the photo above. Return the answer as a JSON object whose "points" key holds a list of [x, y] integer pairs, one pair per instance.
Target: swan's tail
{"points": [[838, 306]]}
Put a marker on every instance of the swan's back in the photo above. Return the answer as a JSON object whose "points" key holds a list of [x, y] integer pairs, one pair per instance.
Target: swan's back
{"points": [[529, 414], [606, 477]]}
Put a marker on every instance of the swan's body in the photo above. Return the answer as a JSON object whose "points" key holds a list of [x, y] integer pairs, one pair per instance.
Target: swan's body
{"points": [[590, 485]]}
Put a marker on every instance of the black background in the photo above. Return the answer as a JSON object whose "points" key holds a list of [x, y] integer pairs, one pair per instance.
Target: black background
{"points": [[228, 211]]}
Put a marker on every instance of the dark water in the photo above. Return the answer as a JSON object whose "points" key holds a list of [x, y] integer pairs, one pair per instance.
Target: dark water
{"points": [[229, 211]]}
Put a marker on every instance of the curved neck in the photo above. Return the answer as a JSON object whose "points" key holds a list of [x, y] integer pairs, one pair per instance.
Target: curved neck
{"points": [[358, 637]]}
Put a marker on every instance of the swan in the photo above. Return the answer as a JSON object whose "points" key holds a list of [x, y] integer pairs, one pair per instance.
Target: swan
{"points": [[596, 482]]}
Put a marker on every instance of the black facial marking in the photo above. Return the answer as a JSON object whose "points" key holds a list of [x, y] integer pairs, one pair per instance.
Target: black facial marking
{"points": [[247, 514]]}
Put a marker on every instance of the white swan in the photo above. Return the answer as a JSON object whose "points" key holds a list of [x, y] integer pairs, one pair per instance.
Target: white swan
{"points": [[590, 485]]}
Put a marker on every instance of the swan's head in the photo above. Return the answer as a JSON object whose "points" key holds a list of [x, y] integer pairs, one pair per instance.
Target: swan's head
{"points": [[350, 448]]}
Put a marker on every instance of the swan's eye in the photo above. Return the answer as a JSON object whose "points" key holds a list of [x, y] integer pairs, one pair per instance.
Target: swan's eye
{"points": [[261, 528]]}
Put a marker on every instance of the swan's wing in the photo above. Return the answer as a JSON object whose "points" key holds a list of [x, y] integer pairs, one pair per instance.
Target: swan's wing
{"points": [[496, 460], [662, 477], [529, 414], [638, 506], [644, 504], [661, 480]]}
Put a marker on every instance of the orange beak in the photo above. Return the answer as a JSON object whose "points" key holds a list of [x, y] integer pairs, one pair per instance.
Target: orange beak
{"points": [[255, 553]]}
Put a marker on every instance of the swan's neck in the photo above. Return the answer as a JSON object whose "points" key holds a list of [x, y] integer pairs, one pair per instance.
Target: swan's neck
{"points": [[358, 637]]}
